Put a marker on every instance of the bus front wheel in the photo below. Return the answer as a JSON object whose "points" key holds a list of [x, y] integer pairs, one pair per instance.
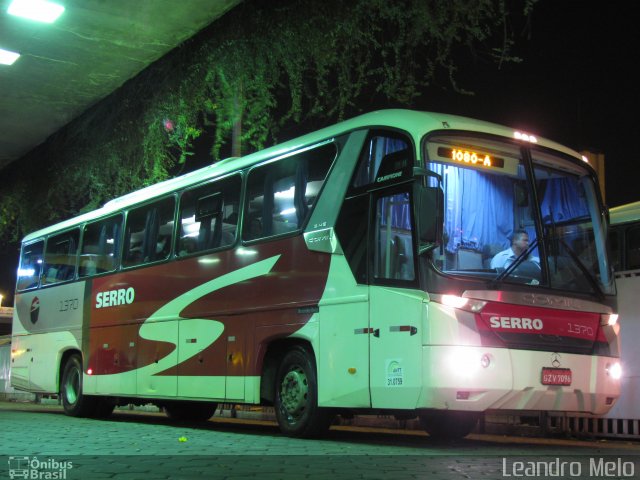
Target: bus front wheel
{"points": [[74, 402], [296, 396]]}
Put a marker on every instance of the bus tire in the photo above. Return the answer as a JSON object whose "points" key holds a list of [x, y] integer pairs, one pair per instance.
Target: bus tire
{"points": [[190, 411], [296, 396], [449, 425], [74, 402]]}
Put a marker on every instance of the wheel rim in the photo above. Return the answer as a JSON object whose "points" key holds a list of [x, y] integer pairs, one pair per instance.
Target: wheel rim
{"points": [[294, 392], [72, 386]]}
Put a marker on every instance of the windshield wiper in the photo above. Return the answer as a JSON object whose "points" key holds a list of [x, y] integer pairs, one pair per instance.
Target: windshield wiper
{"points": [[509, 270], [554, 251], [585, 271]]}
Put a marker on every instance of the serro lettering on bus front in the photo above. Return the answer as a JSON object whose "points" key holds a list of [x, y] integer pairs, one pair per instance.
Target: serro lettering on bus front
{"points": [[516, 323]]}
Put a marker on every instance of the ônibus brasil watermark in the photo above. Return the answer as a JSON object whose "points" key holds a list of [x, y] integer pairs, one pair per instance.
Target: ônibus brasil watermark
{"points": [[596, 467], [34, 468]]}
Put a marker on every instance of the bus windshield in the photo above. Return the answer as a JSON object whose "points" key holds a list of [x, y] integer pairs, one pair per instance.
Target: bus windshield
{"points": [[498, 228]]}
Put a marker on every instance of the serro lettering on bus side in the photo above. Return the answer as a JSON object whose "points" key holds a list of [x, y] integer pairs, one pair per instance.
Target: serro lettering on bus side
{"points": [[113, 298], [516, 323]]}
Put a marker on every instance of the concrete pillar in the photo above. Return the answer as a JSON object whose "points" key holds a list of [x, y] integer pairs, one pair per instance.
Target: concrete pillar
{"points": [[596, 160]]}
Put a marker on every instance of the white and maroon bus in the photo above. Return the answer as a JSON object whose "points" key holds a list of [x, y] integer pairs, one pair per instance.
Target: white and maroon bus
{"points": [[349, 270]]}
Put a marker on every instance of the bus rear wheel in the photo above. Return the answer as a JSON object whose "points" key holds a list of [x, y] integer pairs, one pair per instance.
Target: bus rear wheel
{"points": [[190, 411], [449, 425], [74, 402], [296, 396]]}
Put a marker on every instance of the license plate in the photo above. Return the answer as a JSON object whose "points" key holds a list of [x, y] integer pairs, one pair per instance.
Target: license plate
{"points": [[556, 376]]}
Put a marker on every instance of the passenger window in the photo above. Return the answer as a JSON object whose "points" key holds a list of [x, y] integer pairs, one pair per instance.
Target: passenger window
{"points": [[148, 233], [633, 248], [209, 216], [100, 246], [30, 265], [281, 194], [614, 247], [393, 242], [386, 158], [60, 257]]}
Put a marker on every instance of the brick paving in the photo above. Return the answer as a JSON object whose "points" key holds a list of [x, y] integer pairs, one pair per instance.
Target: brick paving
{"points": [[141, 445]]}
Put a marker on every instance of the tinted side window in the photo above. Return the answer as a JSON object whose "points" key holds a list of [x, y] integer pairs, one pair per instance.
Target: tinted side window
{"points": [[148, 233], [614, 249], [633, 248], [100, 246], [60, 257], [30, 265], [393, 242], [281, 194], [386, 158], [209, 216]]}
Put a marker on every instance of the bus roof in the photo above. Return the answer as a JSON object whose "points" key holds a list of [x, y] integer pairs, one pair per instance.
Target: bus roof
{"points": [[625, 213], [415, 123]]}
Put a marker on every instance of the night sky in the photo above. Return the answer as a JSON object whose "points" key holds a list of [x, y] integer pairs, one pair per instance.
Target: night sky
{"points": [[576, 85]]}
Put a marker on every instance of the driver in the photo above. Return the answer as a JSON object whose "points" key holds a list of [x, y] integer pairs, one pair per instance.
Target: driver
{"points": [[519, 243]]}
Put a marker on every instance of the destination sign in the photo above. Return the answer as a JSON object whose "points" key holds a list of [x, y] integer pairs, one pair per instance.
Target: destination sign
{"points": [[471, 157]]}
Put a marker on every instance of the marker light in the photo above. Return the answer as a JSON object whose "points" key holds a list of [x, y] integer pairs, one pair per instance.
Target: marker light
{"points": [[609, 319], [7, 57], [585, 159], [38, 10], [614, 371], [89, 371], [525, 137]]}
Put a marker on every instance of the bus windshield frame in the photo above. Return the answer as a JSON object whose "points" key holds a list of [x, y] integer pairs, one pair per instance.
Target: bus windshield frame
{"points": [[518, 213]]}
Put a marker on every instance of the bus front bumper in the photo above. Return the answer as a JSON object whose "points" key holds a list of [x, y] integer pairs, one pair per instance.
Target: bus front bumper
{"points": [[471, 378]]}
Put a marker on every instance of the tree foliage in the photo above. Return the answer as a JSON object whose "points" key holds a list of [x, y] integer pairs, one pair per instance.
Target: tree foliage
{"points": [[266, 67]]}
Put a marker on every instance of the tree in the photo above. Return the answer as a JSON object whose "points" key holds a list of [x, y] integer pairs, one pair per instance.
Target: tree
{"points": [[280, 67]]}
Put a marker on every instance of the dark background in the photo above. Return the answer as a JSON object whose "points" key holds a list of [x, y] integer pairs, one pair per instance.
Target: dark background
{"points": [[576, 85]]}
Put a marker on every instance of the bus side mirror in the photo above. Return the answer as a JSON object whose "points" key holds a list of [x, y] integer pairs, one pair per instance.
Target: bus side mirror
{"points": [[429, 213]]}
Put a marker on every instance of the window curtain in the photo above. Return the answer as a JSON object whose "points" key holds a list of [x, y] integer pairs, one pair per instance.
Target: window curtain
{"points": [[478, 208]]}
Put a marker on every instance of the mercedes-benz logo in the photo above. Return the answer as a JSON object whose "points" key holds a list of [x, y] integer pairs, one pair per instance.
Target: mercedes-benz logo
{"points": [[555, 359]]}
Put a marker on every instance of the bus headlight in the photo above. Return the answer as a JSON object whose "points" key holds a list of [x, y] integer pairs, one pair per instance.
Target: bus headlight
{"points": [[467, 363], [463, 303], [614, 370]]}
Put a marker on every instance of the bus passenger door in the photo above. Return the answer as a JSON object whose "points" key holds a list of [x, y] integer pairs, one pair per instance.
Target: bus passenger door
{"points": [[395, 303], [343, 347]]}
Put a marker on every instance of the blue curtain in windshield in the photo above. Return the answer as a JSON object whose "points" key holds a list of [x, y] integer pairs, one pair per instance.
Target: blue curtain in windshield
{"points": [[564, 199], [478, 208]]}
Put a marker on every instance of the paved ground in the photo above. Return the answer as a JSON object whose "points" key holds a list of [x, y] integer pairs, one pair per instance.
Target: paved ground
{"points": [[39, 441]]}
